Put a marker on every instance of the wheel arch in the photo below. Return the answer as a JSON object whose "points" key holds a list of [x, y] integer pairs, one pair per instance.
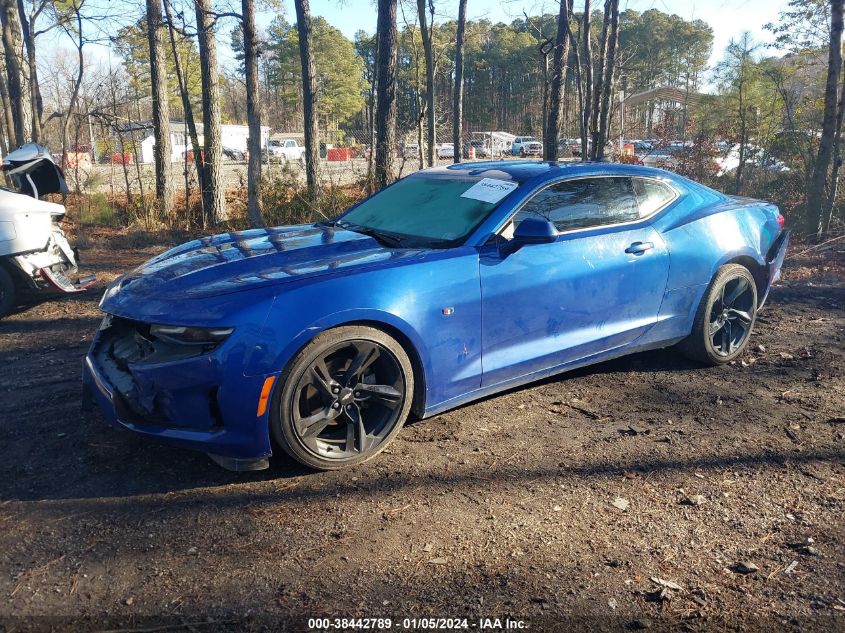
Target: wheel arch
{"points": [[757, 270], [418, 403], [388, 323]]}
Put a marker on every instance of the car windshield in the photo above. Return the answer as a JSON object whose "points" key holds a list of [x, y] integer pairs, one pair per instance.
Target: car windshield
{"points": [[430, 210]]}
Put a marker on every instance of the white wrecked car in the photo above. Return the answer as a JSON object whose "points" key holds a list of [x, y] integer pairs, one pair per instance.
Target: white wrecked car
{"points": [[34, 252]]}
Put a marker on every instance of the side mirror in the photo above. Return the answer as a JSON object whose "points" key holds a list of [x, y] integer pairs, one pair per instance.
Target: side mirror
{"points": [[534, 231]]}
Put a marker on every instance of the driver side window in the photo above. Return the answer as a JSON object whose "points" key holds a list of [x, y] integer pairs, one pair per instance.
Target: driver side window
{"points": [[583, 203]]}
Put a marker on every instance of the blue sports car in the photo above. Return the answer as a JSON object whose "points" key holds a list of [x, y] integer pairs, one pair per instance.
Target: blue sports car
{"points": [[451, 284]]}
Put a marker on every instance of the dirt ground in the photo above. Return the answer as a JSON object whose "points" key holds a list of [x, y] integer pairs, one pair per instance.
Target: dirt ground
{"points": [[629, 495]]}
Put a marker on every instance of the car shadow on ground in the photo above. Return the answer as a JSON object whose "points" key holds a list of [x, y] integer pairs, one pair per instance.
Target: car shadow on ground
{"points": [[186, 478], [99, 461], [109, 462]]}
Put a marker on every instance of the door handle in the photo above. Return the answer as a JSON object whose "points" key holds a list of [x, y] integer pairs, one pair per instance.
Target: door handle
{"points": [[638, 248]]}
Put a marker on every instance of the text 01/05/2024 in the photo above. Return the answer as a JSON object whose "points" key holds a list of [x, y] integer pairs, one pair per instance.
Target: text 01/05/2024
{"points": [[412, 624]]}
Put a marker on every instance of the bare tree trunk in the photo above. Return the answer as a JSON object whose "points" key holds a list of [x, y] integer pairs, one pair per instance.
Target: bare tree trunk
{"points": [[598, 81], [162, 152], [214, 193], [609, 67], [428, 48], [187, 108], [371, 122], [8, 119], [120, 138], [16, 73], [827, 211], [579, 84], [420, 142], [386, 93], [4, 149], [816, 191], [124, 166], [77, 84], [587, 72], [29, 34], [458, 91], [740, 169], [309, 98], [556, 91], [419, 97], [253, 113]]}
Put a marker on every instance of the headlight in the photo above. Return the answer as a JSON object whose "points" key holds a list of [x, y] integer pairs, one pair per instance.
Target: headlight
{"points": [[185, 335]]}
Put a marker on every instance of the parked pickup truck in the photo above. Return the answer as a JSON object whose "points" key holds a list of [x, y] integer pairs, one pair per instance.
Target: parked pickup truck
{"points": [[526, 146], [285, 150]]}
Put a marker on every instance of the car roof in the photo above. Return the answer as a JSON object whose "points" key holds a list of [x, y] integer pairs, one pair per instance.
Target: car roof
{"points": [[523, 170]]}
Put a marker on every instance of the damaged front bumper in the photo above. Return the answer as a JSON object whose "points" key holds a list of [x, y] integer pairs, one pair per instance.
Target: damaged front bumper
{"points": [[184, 396]]}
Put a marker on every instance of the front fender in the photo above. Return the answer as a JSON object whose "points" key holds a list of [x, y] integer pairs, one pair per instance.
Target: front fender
{"points": [[266, 360], [434, 305]]}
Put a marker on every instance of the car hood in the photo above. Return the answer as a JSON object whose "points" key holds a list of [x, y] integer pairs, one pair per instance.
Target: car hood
{"points": [[232, 262]]}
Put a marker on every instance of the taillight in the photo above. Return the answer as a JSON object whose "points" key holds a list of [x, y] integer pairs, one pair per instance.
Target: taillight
{"points": [[781, 221]]}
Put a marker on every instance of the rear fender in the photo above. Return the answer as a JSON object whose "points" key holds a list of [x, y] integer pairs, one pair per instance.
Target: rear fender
{"points": [[762, 239], [734, 232], [748, 258]]}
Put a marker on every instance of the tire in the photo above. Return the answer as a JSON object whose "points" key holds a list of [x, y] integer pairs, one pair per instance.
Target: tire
{"points": [[8, 293], [320, 408], [724, 319]]}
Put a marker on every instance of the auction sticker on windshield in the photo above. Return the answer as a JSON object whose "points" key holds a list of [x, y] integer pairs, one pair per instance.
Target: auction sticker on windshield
{"points": [[490, 190]]}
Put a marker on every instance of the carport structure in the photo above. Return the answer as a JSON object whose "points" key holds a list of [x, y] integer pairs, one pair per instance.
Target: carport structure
{"points": [[666, 107]]}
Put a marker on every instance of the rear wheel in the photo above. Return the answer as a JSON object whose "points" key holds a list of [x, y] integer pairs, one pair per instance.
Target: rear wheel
{"points": [[7, 292], [343, 398], [724, 320]]}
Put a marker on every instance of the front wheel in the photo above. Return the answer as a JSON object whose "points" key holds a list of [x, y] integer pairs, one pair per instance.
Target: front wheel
{"points": [[7, 292], [725, 318], [343, 398]]}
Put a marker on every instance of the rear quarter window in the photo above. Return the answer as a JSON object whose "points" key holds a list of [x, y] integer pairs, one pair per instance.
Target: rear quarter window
{"points": [[652, 195]]}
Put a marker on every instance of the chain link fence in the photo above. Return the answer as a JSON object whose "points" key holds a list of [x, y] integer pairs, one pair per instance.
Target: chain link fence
{"points": [[345, 157]]}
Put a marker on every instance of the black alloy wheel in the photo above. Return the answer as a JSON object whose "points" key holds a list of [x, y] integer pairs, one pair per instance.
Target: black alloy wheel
{"points": [[346, 395], [725, 318], [731, 316]]}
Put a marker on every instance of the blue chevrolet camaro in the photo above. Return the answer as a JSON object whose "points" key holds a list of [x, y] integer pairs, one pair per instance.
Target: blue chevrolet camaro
{"points": [[451, 284]]}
